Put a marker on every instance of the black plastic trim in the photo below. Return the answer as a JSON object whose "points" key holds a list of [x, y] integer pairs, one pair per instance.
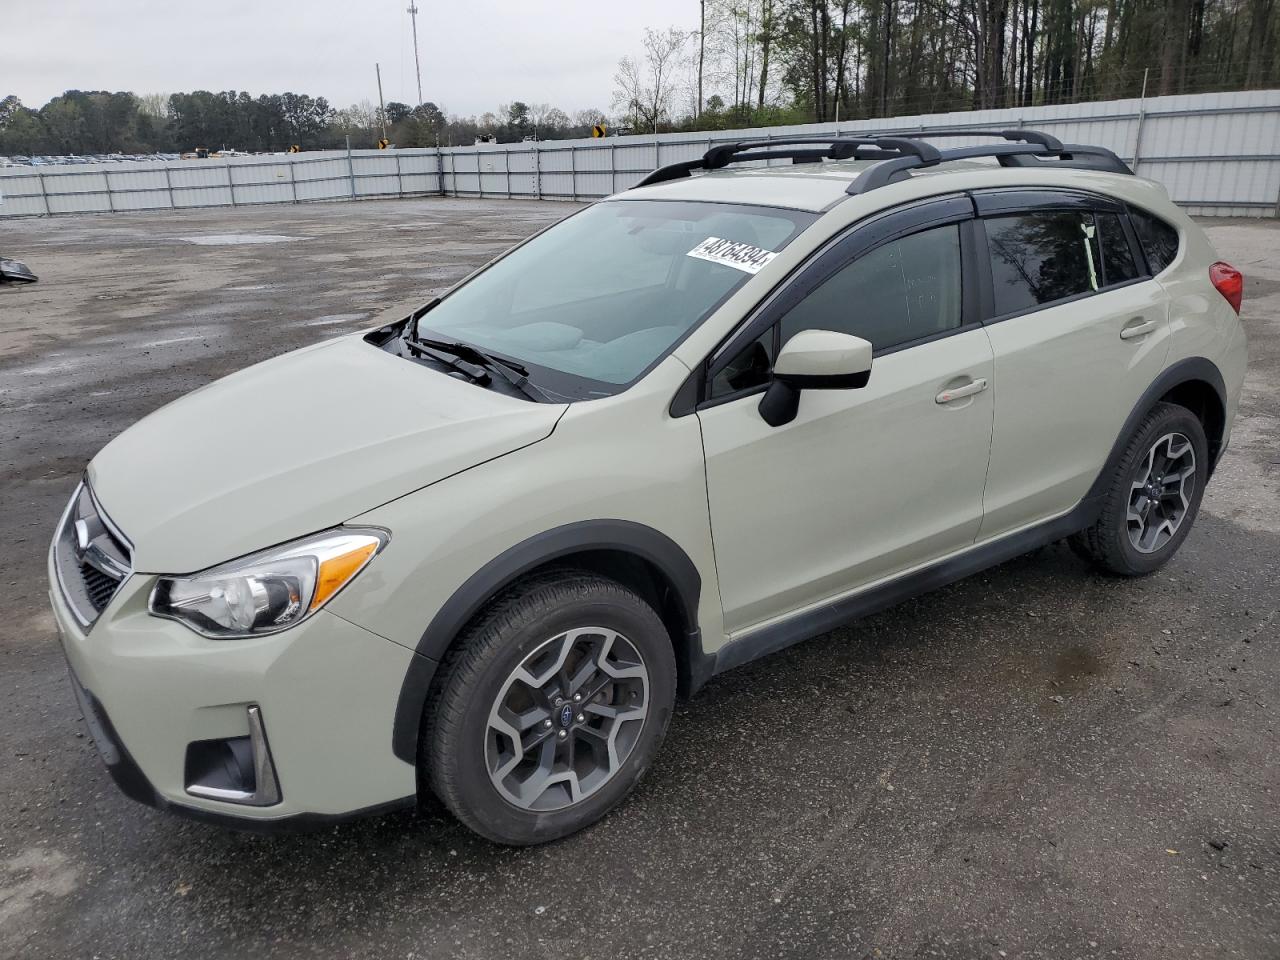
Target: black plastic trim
{"points": [[1184, 371], [828, 616], [1001, 201], [1135, 245], [126, 773], [407, 722], [293, 823], [623, 536], [830, 381]]}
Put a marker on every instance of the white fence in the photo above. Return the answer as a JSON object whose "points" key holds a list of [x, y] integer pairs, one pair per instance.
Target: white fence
{"points": [[1218, 154]]}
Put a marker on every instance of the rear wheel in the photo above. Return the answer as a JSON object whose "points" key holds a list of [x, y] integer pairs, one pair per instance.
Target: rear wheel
{"points": [[550, 709], [1154, 495]]}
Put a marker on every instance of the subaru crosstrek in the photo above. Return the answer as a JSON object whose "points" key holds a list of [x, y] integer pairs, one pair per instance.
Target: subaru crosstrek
{"points": [[481, 551]]}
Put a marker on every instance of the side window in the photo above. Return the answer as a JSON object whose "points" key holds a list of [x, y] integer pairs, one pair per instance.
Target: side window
{"points": [[1038, 258], [902, 291], [752, 367], [1117, 256], [1159, 240]]}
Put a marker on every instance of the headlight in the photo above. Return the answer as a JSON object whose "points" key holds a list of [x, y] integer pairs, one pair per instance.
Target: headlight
{"points": [[269, 591]]}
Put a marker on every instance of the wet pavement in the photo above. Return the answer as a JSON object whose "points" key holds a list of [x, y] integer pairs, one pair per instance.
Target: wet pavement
{"points": [[1035, 762]]}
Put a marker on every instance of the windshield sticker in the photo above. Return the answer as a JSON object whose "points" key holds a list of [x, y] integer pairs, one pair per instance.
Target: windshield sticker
{"points": [[730, 253]]}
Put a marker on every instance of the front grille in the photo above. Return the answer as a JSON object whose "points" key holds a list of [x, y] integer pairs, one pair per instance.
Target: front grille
{"points": [[98, 585], [91, 557]]}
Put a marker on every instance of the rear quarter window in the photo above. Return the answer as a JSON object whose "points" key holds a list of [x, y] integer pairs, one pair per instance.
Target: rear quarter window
{"points": [[1117, 256], [1158, 239]]}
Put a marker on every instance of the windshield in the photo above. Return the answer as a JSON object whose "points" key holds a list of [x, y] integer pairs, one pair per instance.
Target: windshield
{"points": [[592, 303]]}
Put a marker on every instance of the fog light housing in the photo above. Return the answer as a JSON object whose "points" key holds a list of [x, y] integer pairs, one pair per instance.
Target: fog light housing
{"points": [[234, 769]]}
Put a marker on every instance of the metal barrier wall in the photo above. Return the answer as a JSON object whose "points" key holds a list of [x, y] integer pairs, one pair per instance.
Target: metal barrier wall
{"points": [[1218, 154]]}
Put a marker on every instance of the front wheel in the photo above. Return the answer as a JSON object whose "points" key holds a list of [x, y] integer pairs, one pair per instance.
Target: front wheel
{"points": [[1154, 495], [551, 707]]}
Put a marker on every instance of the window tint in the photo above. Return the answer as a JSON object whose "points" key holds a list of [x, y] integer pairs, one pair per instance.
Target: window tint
{"points": [[1038, 258], [902, 291], [1159, 240], [752, 367], [1117, 256]]}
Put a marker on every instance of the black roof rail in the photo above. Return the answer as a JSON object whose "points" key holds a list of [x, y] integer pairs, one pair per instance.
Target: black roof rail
{"points": [[1016, 136], [898, 153], [800, 148], [1030, 148]]}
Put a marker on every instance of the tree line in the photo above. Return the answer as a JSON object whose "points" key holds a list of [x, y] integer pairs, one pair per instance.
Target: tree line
{"points": [[745, 63], [99, 122], [762, 62]]}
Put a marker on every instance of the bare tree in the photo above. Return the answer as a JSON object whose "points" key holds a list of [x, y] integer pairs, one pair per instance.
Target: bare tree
{"points": [[765, 38], [644, 88], [589, 117], [154, 105], [702, 50]]}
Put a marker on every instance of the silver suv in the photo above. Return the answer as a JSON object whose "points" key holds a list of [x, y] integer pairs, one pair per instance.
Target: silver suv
{"points": [[481, 551]]}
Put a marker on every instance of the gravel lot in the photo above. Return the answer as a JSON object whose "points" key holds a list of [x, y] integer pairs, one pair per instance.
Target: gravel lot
{"points": [[1034, 762]]}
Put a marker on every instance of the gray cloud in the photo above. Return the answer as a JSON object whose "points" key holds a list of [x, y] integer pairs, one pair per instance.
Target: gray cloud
{"points": [[474, 55]]}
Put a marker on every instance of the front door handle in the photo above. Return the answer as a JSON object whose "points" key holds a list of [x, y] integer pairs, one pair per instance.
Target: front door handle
{"points": [[962, 391], [1137, 327]]}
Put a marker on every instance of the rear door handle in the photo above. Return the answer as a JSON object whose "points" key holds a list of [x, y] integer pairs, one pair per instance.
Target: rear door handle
{"points": [[962, 391], [1137, 327]]}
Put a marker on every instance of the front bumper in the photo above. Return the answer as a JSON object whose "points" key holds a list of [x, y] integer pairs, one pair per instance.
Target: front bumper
{"points": [[326, 690]]}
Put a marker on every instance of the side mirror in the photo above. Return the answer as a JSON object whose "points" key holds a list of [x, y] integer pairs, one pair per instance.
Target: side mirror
{"points": [[814, 360]]}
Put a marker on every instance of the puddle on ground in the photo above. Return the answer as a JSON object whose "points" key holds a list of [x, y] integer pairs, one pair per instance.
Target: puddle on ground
{"points": [[1074, 666], [332, 318], [164, 343], [237, 239]]}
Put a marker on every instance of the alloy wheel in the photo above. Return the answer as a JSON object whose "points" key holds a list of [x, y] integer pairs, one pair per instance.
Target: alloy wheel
{"points": [[1161, 493], [566, 719]]}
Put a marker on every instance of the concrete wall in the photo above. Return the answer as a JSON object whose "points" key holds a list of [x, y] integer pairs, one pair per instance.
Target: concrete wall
{"points": [[1218, 154]]}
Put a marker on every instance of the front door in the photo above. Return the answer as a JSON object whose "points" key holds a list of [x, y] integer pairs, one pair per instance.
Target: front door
{"points": [[864, 483]]}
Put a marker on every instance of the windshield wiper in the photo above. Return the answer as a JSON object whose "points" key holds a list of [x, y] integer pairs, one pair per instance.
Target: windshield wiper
{"points": [[480, 362], [473, 372]]}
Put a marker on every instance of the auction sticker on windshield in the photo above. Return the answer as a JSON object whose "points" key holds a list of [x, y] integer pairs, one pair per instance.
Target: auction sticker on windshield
{"points": [[730, 253]]}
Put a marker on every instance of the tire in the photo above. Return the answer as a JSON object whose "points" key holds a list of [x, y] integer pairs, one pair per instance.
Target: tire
{"points": [[559, 626], [1168, 445]]}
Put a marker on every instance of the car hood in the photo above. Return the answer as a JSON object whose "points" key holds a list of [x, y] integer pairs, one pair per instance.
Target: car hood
{"points": [[294, 445]]}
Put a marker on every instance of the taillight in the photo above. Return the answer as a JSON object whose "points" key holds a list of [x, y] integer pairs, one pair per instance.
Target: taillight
{"points": [[1229, 282]]}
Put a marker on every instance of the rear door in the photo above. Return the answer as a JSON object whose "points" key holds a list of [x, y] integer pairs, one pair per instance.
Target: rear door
{"points": [[1079, 331]]}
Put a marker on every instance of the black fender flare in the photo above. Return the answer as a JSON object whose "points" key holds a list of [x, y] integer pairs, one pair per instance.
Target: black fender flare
{"points": [[1184, 371], [623, 536]]}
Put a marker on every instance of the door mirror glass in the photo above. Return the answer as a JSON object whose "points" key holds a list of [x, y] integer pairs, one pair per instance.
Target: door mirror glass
{"points": [[814, 360]]}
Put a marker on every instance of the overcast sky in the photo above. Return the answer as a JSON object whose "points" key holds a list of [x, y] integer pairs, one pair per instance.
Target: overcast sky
{"points": [[474, 54]]}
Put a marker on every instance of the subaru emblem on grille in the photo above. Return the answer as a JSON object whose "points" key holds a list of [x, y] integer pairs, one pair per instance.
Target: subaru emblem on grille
{"points": [[82, 538]]}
